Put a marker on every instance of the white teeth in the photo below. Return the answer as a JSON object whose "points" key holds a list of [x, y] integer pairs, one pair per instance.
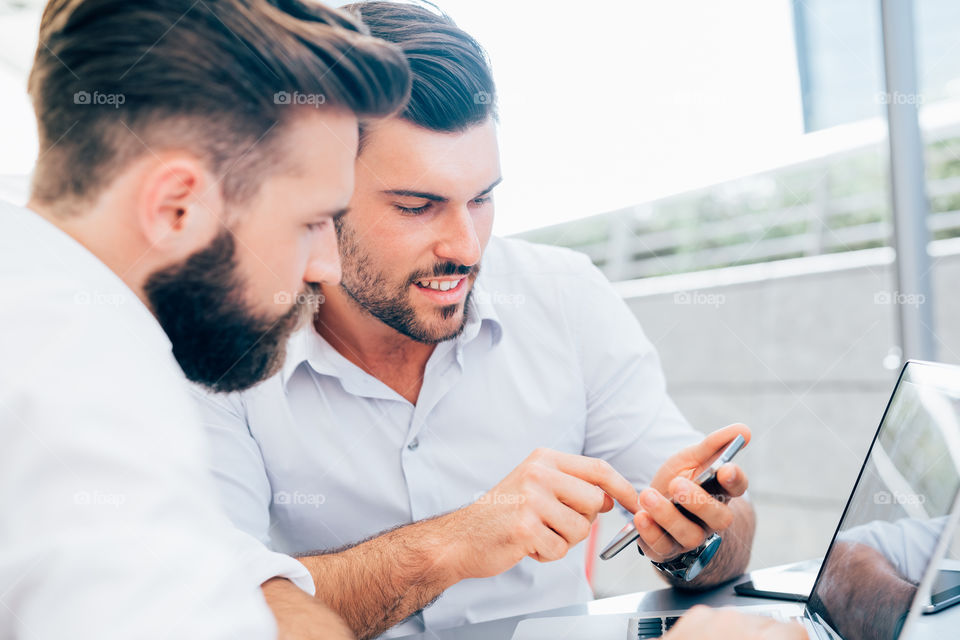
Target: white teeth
{"points": [[438, 285]]}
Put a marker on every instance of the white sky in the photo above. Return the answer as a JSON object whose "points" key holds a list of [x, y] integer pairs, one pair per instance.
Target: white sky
{"points": [[610, 103], [603, 104]]}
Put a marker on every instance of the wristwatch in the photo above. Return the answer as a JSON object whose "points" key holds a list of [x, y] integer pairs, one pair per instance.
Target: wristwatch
{"points": [[688, 566]]}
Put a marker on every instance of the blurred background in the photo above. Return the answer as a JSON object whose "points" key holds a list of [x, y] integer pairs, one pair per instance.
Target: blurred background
{"points": [[728, 166]]}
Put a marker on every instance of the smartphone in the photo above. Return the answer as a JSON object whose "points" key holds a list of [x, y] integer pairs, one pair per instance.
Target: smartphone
{"points": [[707, 479]]}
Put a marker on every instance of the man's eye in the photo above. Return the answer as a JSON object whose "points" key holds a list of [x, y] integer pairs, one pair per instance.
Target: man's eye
{"points": [[315, 226], [412, 211], [481, 200]]}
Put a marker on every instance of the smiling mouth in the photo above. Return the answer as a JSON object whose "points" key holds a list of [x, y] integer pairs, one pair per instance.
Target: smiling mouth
{"points": [[439, 285]]}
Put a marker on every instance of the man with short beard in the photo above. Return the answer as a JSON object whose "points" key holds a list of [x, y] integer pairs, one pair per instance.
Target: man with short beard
{"points": [[450, 368], [173, 208]]}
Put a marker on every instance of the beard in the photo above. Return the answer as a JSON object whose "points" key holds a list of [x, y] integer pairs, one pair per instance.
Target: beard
{"points": [[371, 290], [218, 340]]}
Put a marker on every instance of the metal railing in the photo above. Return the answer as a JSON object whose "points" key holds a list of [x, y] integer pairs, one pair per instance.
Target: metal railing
{"points": [[839, 202]]}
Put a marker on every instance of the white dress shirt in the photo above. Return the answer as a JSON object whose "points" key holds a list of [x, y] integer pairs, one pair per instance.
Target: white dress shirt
{"points": [[907, 543], [324, 455], [110, 526]]}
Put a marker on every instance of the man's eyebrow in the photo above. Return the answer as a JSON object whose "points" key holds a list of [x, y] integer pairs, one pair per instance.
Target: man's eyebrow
{"points": [[434, 197], [415, 194], [490, 188]]}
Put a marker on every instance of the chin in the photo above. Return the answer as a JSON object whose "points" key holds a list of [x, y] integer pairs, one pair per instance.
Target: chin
{"points": [[446, 329]]}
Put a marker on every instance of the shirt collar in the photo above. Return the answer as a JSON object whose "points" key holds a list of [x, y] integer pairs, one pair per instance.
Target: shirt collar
{"points": [[306, 345], [482, 311]]}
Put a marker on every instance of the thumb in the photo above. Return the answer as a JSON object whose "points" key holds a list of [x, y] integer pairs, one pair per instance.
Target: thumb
{"points": [[710, 447]]}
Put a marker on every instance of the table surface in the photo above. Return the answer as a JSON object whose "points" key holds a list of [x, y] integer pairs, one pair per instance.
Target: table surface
{"points": [[940, 625]]}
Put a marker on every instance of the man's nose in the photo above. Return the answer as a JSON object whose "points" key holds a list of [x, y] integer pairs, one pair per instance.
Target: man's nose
{"points": [[459, 242], [323, 266]]}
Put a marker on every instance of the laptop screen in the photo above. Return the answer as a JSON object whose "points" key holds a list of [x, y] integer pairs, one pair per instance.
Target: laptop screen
{"points": [[898, 510]]}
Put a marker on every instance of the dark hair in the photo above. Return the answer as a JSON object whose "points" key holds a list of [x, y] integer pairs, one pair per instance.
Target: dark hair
{"points": [[115, 79], [453, 86]]}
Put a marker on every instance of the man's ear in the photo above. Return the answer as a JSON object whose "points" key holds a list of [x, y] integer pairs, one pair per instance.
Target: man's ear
{"points": [[180, 204]]}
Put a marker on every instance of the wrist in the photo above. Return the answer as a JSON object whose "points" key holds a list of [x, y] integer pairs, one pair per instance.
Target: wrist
{"points": [[443, 549]]}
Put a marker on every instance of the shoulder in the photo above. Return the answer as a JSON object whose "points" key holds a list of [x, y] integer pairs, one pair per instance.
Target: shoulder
{"points": [[96, 350], [542, 272]]}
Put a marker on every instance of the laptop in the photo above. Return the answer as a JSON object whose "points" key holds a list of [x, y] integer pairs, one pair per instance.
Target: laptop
{"points": [[879, 572]]}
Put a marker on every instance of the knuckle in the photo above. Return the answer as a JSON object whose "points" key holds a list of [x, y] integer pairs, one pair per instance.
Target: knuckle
{"points": [[602, 468], [540, 453], [532, 482], [527, 526], [560, 548], [533, 472], [532, 502], [599, 497], [583, 528]]}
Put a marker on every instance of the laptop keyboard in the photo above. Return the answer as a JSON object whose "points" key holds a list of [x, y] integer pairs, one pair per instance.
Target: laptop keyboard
{"points": [[653, 627], [656, 626]]}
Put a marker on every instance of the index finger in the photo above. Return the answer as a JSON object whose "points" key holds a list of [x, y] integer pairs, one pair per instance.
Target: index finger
{"points": [[599, 472]]}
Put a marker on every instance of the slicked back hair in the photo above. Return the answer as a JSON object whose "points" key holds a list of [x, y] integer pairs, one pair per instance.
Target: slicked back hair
{"points": [[453, 86], [113, 80]]}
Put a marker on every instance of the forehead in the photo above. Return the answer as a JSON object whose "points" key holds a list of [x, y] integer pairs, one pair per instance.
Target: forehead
{"points": [[398, 154]]}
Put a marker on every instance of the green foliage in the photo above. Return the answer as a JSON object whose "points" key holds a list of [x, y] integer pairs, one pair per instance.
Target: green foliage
{"points": [[839, 203]]}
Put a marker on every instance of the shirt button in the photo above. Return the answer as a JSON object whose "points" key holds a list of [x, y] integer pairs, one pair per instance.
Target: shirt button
{"points": [[413, 444]]}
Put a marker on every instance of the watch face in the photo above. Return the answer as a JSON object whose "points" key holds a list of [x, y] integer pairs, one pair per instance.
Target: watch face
{"points": [[688, 566], [703, 557]]}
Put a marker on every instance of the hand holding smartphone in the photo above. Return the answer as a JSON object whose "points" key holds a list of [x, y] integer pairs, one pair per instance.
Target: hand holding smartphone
{"points": [[707, 479]]}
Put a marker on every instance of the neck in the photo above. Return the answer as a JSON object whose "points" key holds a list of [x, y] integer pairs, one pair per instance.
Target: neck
{"points": [[98, 232], [393, 358]]}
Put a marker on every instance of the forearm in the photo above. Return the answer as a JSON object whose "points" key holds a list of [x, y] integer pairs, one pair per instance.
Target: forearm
{"points": [[734, 554], [860, 613], [384, 580], [540, 510], [299, 616]]}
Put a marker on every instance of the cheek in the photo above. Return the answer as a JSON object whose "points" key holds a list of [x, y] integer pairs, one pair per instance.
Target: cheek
{"points": [[484, 225], [396, 249]]}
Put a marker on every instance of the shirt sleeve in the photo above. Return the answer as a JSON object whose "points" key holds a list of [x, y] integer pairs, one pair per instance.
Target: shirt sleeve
{"points": [[236, 462], [631, 421], [237, 467]]}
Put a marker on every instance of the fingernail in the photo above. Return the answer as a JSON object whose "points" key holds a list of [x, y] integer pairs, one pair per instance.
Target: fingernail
{"points": [[648, 499]]}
